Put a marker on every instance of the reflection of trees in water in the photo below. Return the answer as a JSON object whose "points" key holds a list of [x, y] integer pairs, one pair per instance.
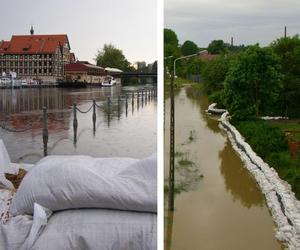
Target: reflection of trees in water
{"points": [[199, 99], [187, 174], [238, 180]]}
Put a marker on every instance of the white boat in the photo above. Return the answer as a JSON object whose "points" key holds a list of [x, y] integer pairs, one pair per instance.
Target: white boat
{"points": [[108, 81], [5, 82]]}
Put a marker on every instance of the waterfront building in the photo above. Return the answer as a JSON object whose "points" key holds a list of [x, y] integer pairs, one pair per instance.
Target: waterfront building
{"points": [[83, 71], [39, 57]]}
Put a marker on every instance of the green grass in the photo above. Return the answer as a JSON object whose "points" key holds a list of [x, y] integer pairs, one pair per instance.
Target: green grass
{"points": [[289, 125], [185, 162], [179, 82], [268, 140]]}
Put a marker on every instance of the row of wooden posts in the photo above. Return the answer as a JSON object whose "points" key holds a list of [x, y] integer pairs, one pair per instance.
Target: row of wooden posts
{"points": [[144, 95]]}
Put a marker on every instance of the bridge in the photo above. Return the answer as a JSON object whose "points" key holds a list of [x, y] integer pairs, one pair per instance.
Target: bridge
{"points": [[135, 74]]}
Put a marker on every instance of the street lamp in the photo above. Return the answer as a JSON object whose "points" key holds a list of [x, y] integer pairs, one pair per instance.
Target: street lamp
{"points": [[172, 133]]}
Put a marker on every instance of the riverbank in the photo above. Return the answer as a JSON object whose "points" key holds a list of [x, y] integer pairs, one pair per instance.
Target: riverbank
{"points": [[281, 200]]}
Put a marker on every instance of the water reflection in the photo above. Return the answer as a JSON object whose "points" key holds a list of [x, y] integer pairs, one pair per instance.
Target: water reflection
{"points": [[104, 132], [225, 210], [238, 180]]}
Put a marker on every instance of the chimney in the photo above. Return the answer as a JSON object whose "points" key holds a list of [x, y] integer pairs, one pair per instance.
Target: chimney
{"points": [[284, 31], [31, 30]]}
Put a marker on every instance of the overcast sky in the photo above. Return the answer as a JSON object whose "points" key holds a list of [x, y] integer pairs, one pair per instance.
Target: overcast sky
{"points": [[248, 21], [130, 25]]}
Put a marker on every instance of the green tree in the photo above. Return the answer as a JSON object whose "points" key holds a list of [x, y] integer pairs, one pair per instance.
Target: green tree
{"points": [[214, 72], [171, 49], [252, 83], [188, 48], [288, 50], [217, 47], [110, 56], [170, 37]]}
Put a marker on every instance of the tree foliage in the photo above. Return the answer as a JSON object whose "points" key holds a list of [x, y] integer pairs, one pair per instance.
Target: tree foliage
{"points": [[112, 57], [217, 47], [171, 49], [170, 37], [252, 83], [214, 72], [288, 50], [189, 48]]}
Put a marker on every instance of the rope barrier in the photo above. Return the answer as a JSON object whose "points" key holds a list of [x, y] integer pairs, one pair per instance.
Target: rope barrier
{"points": [[84, 112], [16, 130]]}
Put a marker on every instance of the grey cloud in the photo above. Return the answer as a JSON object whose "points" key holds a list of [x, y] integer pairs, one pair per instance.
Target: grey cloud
{"points": [[248, 21]]}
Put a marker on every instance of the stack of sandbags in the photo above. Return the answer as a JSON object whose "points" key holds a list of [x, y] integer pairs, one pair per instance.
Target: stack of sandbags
{"points": [[107, 203]]}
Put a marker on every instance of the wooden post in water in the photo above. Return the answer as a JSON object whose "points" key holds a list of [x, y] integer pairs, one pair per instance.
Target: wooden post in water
{"points": [[108, 111], [45, 130], [142, 92], [119, 107], [94, 117], [75, 123], [132, 102], [138, 98], [132, 99], [126, 104]]}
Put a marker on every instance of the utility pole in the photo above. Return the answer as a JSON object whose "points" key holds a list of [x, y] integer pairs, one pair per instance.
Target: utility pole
{"points": [[231, 41], [172, 148]]}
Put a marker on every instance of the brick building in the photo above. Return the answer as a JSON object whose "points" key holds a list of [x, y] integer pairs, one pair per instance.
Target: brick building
{"points": [[40, 57]]}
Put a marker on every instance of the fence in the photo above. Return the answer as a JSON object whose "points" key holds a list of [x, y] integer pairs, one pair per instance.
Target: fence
{"points": [[139, 97]]}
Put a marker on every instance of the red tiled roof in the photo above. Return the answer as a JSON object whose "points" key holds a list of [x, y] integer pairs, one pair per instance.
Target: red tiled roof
{"points": [[81, 67], [4, 45], [208, 57], [33, 44]]}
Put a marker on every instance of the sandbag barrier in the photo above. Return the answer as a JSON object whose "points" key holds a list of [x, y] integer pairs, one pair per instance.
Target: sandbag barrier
{"points": [[281, 200]]}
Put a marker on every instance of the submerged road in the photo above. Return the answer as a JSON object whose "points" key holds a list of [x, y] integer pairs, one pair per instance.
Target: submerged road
{"points": [[218, 205]]}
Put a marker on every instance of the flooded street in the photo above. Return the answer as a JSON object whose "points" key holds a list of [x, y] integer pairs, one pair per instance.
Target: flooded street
{"points": [[119, 133], [218, 205]]}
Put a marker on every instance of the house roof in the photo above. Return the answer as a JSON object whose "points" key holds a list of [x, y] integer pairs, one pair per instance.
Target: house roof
{"points": [[208, 57], [33, 44], [113, 70], [78, 66]]}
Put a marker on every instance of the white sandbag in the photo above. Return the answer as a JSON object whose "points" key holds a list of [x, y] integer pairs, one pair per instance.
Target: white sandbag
{"points": [[5, 166], [97, 229], [40, 219], [21, 232], [64, 182], [14, 232]]}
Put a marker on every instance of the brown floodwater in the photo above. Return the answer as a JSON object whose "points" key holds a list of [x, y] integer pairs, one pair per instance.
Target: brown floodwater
{"points": [[218, 205], [120, 132]]}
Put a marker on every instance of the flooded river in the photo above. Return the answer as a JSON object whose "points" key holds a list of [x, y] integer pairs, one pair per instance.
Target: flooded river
{"points": [[119, 133], [218, 206]]}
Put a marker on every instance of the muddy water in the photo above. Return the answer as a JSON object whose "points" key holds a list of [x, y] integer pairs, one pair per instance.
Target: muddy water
{"points": [[224, 209]]}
